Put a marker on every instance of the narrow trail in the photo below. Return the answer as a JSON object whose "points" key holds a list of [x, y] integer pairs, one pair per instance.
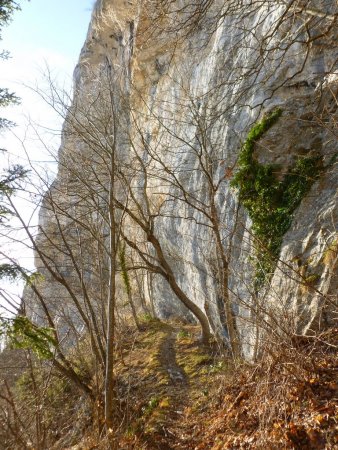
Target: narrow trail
{"points": [[177, 390], [182, 359], [168, 361], [170, 379], [176, 394]]}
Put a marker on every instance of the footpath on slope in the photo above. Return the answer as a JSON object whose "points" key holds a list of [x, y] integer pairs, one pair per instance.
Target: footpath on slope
{"points": [[176, 394], [175, 380]]}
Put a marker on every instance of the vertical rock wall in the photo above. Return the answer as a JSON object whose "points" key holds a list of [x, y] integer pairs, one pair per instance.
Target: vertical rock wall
{"points": [[187, 80]]}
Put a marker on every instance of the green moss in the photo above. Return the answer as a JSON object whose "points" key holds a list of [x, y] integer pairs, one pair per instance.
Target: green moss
{"points": [[151, 405], [312, 279], [123, 268], [194, 362], [148, 319], [218, 367], [330, 253], [270, 200], [182, 334]]}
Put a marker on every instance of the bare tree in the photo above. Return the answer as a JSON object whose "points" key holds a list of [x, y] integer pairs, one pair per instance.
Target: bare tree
{"points": [[130, 163]]}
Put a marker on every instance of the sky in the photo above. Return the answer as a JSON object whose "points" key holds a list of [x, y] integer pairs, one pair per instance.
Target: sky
{"points": [[45, 33]]}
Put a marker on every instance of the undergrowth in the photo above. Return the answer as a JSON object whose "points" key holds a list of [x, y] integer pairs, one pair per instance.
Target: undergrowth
{"points": [[41, 408], [287, 401], [271, 199], [284, 401]]}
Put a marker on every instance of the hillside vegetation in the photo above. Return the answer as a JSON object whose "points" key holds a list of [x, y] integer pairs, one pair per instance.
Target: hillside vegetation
{"points": [[174, 393], [184, 294]]}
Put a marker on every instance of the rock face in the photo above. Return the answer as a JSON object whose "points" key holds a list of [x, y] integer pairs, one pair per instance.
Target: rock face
{"points": [[187, 83]]}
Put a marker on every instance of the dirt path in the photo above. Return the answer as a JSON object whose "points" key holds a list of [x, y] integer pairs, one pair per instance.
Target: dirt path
{"points": [[167, 358], [183, 359], [168, 372], [177, 391]]}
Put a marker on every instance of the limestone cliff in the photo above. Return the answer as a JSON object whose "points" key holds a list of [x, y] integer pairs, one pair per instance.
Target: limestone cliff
{"points": [[186, 82]]}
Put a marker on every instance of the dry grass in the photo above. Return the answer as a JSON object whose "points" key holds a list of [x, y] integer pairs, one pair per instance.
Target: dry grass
{"points": [[173, 393], [288, 401]]}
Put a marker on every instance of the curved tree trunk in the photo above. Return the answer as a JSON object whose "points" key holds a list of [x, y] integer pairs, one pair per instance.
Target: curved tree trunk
{"points": [[168, 274]]}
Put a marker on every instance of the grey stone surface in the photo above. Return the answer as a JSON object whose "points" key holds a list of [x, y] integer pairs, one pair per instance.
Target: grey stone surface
{"points": [[204, 91]]}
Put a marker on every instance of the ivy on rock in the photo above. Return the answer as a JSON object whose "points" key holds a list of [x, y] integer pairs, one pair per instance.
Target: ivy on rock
{"points": [[270, 199]]}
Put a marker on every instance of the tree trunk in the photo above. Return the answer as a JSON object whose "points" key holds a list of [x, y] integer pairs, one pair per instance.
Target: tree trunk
{"points": [[170, 277], [109, 375], [224, 274]]}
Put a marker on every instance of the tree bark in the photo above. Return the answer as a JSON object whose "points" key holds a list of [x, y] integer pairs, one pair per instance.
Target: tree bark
{"points": [[109, 375], [170, 277], [224, 275]]}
